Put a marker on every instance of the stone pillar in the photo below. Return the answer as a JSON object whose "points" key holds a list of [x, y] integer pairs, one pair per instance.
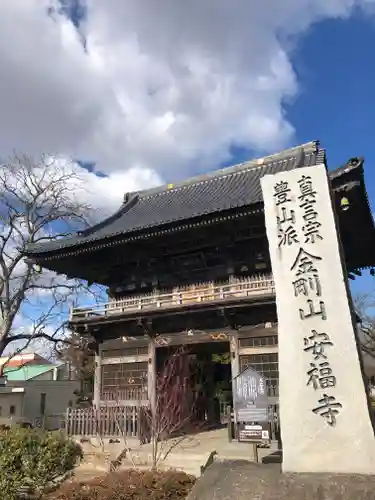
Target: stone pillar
{"points": [[151, 376], [97, 378], [324, 412], [235, 365]]}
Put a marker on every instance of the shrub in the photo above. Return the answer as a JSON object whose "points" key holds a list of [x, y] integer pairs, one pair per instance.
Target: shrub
{"points": [[30, 459], [129, 485]]}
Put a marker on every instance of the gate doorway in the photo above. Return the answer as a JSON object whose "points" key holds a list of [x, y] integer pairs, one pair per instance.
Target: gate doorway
{"points": [[210, 377]]}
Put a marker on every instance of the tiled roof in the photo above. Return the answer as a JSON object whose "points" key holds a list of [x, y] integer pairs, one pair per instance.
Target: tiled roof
{"points": [[23, 359], [229, 188]]}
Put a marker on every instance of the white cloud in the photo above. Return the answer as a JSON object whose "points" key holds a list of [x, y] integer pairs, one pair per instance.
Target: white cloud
{"points": [[106, 194], [165, 87]]}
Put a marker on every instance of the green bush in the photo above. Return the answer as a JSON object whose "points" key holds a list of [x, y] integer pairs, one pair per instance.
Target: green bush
{"points": [[129, 485], [30, 459]]}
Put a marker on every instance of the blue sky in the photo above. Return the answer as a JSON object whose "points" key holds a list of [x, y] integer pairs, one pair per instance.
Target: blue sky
{"points": [[336, 99], [337, 96]]}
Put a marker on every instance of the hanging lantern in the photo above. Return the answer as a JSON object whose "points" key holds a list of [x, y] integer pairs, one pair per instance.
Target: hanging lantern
{"points": [[344, 203]]}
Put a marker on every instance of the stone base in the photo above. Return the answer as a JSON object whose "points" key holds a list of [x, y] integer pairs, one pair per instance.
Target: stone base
{"points": [[273, 458], [246, 481]]}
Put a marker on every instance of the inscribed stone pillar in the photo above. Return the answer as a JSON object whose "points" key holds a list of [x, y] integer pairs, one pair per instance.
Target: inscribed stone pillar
{"points": [[324, 412]]}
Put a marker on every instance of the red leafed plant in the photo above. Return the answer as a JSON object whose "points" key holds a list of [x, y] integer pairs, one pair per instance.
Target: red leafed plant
{"points": [[174, 406]]}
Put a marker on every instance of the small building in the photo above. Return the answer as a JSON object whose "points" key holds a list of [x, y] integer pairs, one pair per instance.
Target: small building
{"points": [[188, 264], [37, 394], [26, 358]]}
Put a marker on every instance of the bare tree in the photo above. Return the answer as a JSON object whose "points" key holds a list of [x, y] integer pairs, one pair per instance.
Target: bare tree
{"points": [[365, 307], [79, 353], [39, 202], [174, 413]]}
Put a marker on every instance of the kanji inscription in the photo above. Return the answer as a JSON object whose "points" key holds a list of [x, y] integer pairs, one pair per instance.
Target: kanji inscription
{"points": [[282, 193], [316, 344], [307, 283], [307, 198], [314, 308], [287, 234], [328, 408]]}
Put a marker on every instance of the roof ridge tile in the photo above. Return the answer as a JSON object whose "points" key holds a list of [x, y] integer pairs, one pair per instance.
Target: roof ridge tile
{"points": [[284, 155], [212, 179]]}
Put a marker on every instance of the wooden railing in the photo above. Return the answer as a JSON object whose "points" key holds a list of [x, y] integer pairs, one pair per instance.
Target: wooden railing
{"points": [[114, 421], [273, 391], [205, 292]]}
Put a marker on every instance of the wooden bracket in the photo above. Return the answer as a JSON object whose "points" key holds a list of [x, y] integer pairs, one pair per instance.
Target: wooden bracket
{"points": [[229, 318], [146, 325]]}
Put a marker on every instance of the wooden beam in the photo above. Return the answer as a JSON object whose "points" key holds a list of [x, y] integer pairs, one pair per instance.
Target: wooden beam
{"points": [[248, 351], [188, 338], [141, 358]]}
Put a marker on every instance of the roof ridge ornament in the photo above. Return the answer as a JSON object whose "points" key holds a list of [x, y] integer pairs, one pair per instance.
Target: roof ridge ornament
{"points": [[130, 199], [300, 158]]}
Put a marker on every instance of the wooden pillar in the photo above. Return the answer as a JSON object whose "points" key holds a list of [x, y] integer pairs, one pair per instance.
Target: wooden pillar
{"points": [[235, 366], [151, 378], [97, 378], [209, 388]]}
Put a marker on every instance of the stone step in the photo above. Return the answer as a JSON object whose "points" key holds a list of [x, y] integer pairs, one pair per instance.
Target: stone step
{"points": [[187, 462], [190, 470], [222, 457], [273, 458]]}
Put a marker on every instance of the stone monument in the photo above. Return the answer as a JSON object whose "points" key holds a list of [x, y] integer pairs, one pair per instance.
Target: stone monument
{"points": [[324, 413]]}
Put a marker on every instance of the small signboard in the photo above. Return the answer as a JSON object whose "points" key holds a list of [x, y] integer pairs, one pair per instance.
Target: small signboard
{"points": [[253, 432], [251, 406], [250, 397]]}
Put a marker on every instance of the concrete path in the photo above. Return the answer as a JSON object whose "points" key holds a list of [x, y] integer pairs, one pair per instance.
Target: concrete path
{"points": [[193, 454], [196, 452]]}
